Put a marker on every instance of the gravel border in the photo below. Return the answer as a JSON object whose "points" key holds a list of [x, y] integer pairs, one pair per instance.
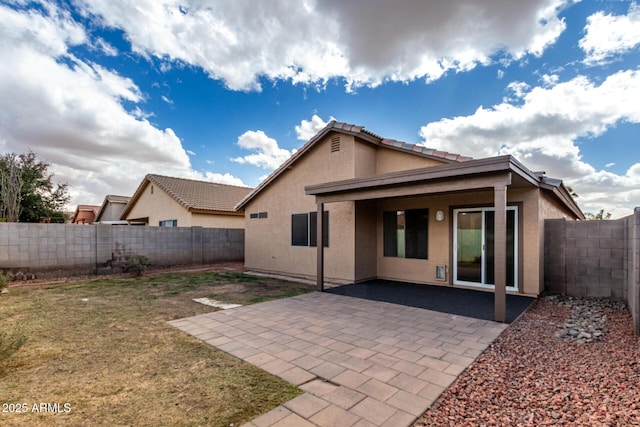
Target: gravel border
{"points": [[565, 362]]}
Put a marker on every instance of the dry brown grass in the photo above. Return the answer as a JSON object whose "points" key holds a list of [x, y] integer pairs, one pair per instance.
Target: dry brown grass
{"points": [[104, 348]]}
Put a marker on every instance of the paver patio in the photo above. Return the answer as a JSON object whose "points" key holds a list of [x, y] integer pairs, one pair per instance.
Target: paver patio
{"points": [[360, 362]]}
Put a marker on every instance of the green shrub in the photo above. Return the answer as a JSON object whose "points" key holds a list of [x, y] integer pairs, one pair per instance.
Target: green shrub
{"points": [[10, 343], [4, 280], [137, 265]]}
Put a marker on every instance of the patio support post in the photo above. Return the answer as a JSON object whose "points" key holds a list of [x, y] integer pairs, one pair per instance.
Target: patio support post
{"points": [[320, 249], [500, 251]]}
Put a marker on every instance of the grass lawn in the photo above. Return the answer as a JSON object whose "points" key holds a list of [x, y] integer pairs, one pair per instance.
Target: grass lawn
{"points": [[104, 348]]}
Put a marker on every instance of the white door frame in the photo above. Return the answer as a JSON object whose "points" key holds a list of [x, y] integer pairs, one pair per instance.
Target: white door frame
{"points": [[483, 283]]}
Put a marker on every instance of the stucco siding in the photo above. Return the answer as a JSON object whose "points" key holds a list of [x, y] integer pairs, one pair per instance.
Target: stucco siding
{"points": [[112, 211], [366, 240], [268, 241], [389, 160], [217, 221], [158, 206], [440, 238]]}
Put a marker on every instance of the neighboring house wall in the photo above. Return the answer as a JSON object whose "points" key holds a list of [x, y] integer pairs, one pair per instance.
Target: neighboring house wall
{"points": [[235, 220], [157, 205], [47, 250], [111, 208], [112, 212]]}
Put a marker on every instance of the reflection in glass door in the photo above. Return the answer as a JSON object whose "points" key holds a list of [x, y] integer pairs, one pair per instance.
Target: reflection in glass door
{"points": [[474, 247], [469, 246]]}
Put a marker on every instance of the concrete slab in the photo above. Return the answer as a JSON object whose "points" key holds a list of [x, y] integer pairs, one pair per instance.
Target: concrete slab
{"points": [[360, 362]]}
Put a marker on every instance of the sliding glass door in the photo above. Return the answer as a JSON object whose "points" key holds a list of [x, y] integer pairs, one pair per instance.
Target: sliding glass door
{"points": [[473, 253]]}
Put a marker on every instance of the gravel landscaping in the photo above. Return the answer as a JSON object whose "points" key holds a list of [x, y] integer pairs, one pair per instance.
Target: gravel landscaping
{"points": [[566, 361]]}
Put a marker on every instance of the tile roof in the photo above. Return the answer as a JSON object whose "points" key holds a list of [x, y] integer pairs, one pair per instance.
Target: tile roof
{"points": [[363, 134], [200, 195]]}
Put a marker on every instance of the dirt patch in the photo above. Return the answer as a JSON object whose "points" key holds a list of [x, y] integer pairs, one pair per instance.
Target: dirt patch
{"points": [[152, 271]]}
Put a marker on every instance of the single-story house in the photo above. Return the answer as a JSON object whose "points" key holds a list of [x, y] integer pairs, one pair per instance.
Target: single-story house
{"points": [[85, 214], [177, 202], [112, 207], [390, 210]]}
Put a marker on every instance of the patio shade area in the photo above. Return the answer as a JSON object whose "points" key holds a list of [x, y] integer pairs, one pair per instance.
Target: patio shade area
{"points": [[463, 302]]}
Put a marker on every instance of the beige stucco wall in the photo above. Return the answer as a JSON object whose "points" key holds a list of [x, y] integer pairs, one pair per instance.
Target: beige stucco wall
{"points": [[389, 160], [440, 238], [217, 221], [112, 211], [268, 241], [159, 206], [355, 252]]}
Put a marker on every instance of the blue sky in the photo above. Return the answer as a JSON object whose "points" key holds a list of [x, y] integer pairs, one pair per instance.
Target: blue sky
{"points": [[108, 91]]}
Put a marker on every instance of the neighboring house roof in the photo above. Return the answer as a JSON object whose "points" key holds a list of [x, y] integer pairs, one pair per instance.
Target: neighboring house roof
{"points": [[362, 134], [85, 209], [111, 199], [194, 196]]}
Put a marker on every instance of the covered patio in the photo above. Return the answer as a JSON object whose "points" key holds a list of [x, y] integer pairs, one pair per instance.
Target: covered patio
{"points": [[493, 176], [455, 301]]}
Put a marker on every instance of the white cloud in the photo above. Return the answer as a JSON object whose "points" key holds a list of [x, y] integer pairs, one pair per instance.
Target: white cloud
{"points": [[225, 178], [311, 42], [542, 131], [267, 154], [516, 90], [549, 80], [610, 35], [307, 129], [191, 152], [105, 47], [70, 112]]}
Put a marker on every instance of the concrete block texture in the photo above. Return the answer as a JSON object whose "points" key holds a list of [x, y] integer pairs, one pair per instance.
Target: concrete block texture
{"points": [[595, 259], [47, 250]]}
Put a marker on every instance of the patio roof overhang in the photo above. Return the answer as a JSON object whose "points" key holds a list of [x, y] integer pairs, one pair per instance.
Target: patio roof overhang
{"points": [[472, 174]]}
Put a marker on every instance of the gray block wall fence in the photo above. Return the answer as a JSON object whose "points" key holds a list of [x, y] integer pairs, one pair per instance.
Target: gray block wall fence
{"points": [[51, 250], [595, 259]]}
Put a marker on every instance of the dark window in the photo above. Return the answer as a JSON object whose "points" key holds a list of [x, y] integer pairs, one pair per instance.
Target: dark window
{"points": [[313, 229], [253, 215], [390, 227], [262, 215], [405, 233], [304, 229], [169, 223], [300, 229], [258, 215]]}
